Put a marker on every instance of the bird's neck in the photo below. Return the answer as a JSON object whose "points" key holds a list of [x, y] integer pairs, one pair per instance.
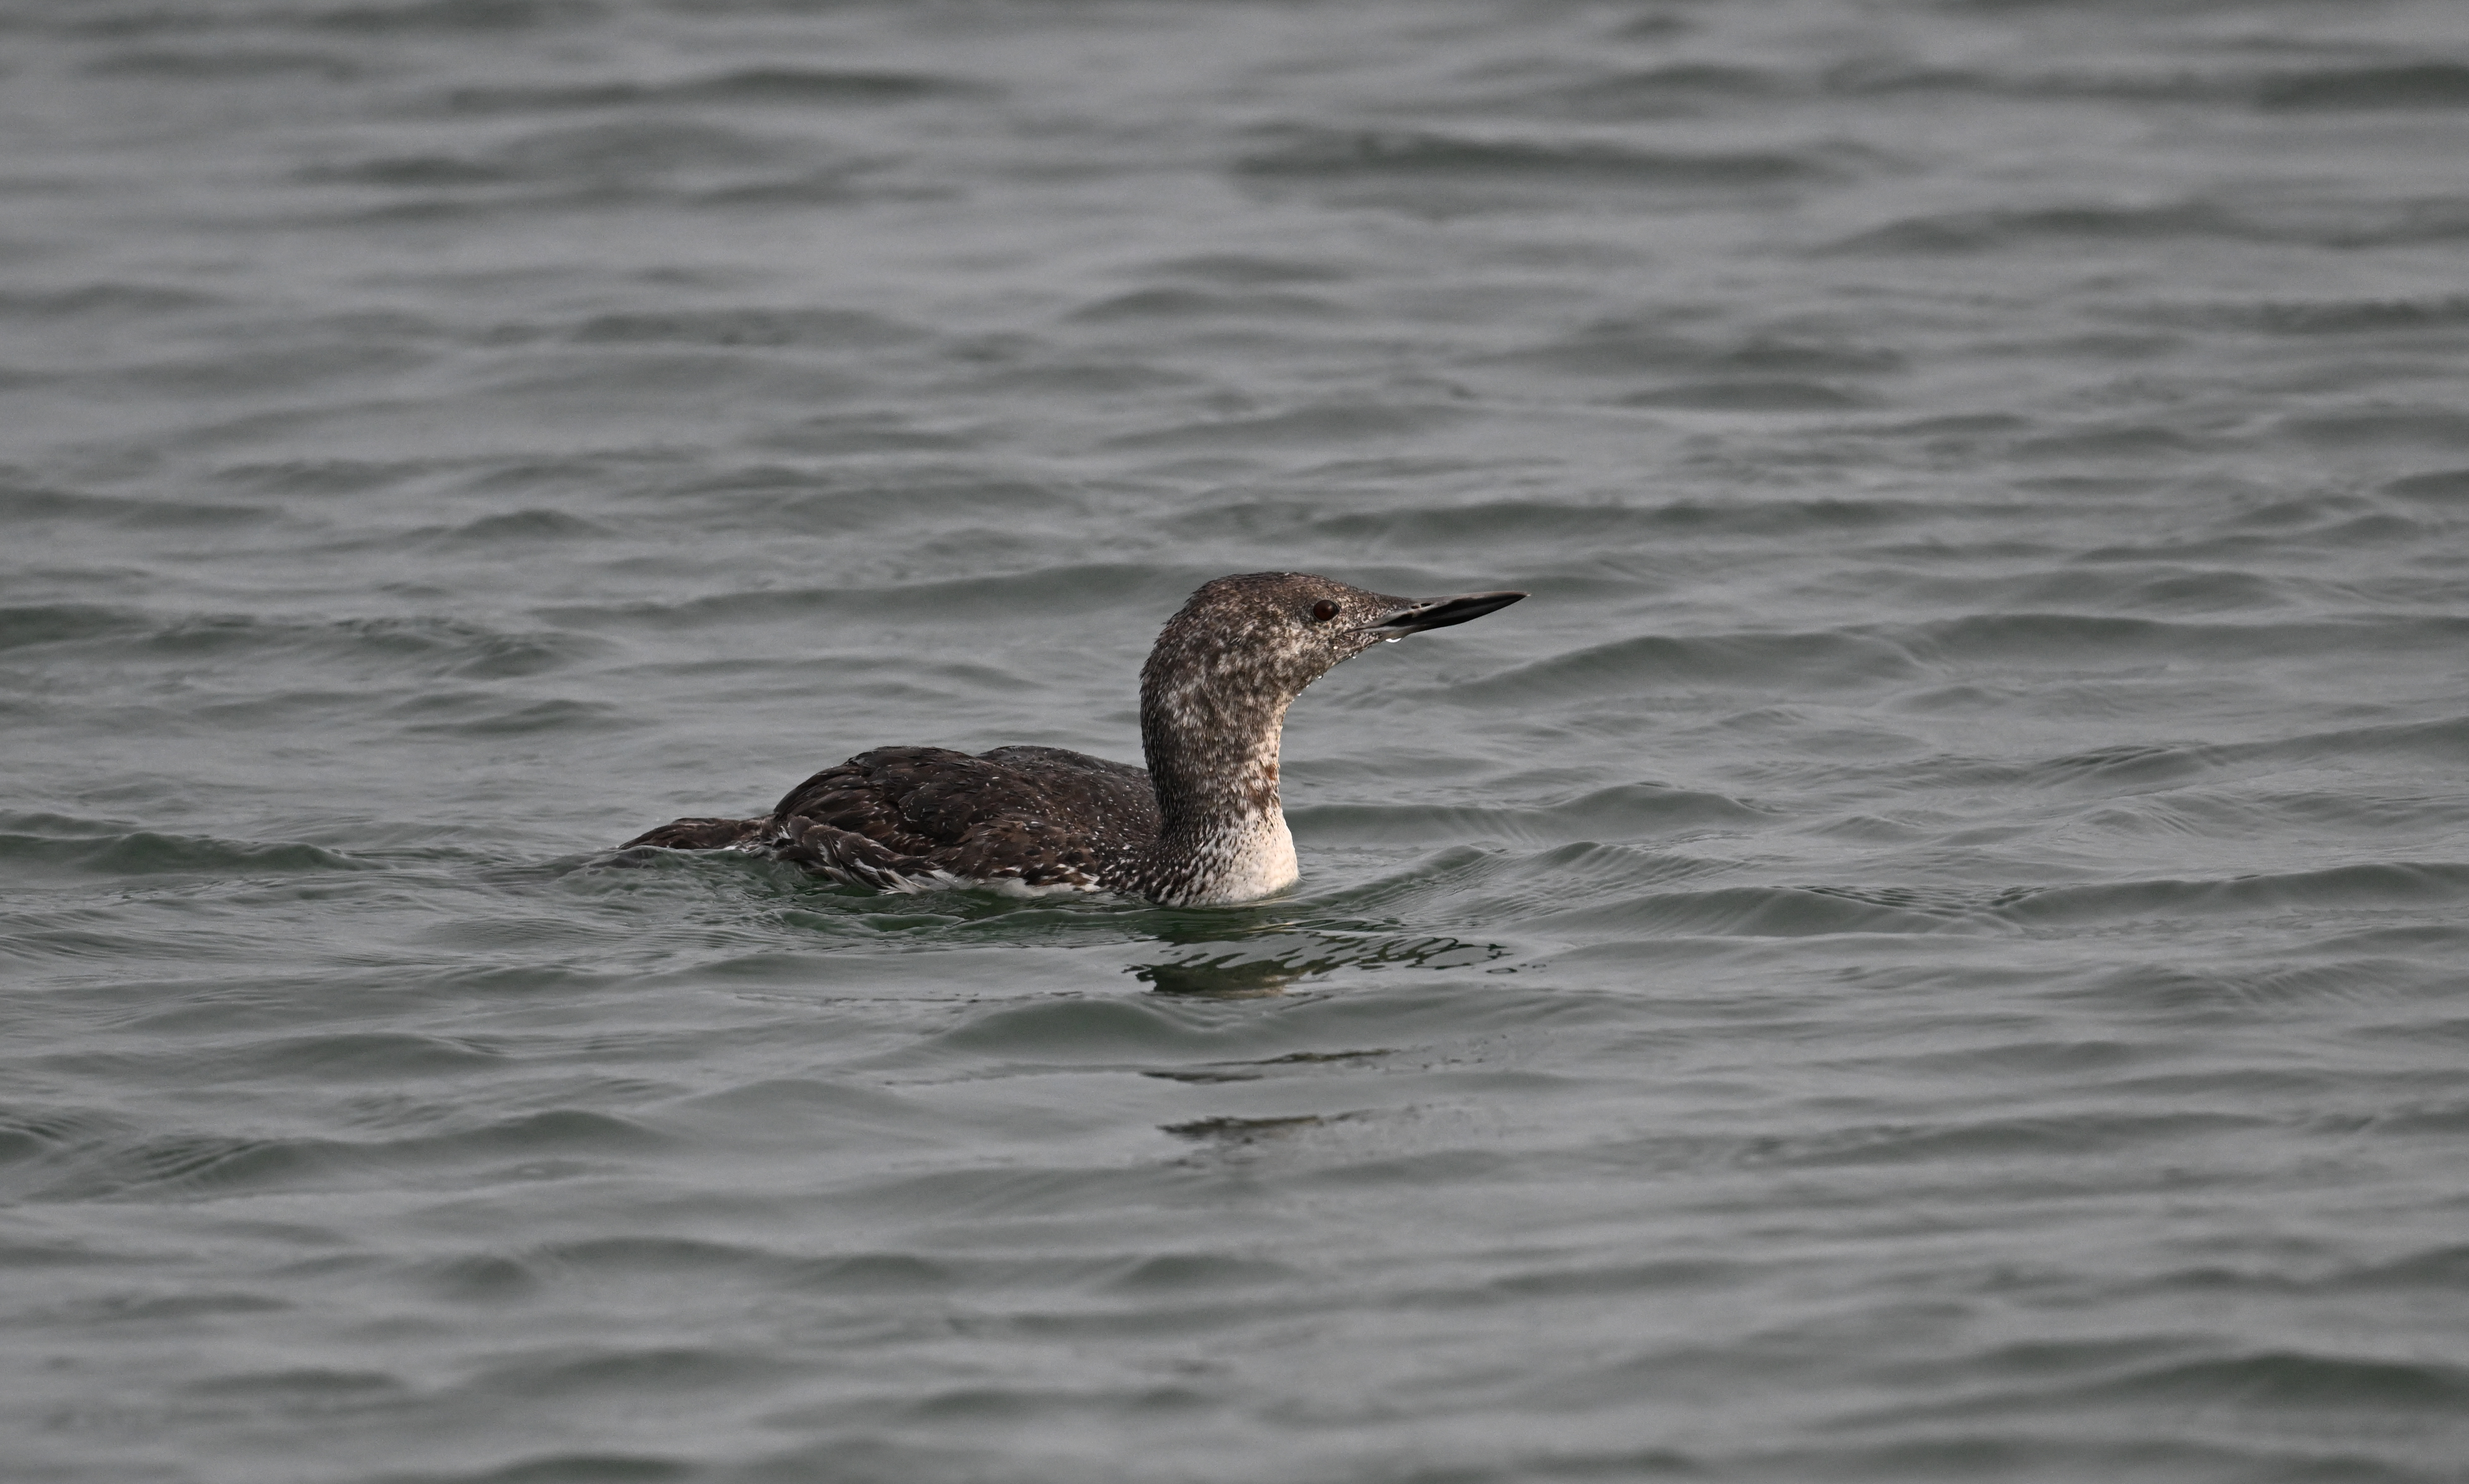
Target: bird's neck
{"points": [[1212, 757]]}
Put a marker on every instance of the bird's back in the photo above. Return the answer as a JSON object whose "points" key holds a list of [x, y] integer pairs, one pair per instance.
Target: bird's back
{"points": [[1031, 818]]}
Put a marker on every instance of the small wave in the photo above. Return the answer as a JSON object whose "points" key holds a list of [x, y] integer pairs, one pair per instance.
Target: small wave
{"points": [[103, 301], [1316, 155], [2057, 1136], [2442, 487], [2439, 426], [2339, 316], [855, 329], [232, 65], [2077, 638], [451, 15], [1777, 912], [63, 624], [521, 527], [1627, 348], [1623, 812], [1054, 591], [436, 647], [1148, 304], [594, 162], [147, 854], [2061, 226], [1548, 521], [1328, 422], [576, 1467], [1766, 396], [196, 1164], [775, 87], [1820, 660], [2384, 886], [2408, 85], [1662, 92], [316, 1385]]}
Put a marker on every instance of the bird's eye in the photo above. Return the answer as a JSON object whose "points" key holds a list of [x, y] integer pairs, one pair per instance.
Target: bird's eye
{"points": [[1324, 611]]}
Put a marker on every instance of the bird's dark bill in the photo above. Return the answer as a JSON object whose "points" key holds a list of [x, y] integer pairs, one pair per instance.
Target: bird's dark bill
{"points": [[1441, 613]]}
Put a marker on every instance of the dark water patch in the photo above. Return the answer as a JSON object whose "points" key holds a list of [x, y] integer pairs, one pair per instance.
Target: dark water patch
{"points": [[1812, 660], [2350, 316], [854, 329], [1624, 347], [1176, 1272], [602, 157], [1280, 963], [1549, 521], [428, 647], [148, 853], [1766, 396], [2082, 639], [1622, 812], [169, 1310], [225, 65], [190, 1165], [2426, 84], [1601, 1280], [1054, 592], [784, 86], [31, 1133], [2442, 487], [1147, 304], [1258, 1068], [856, 434], [833, 500], [668, 1258], [105, 301], [2074, 1136], [2064, 227], [1248, 269], [1339, 155], [2333, 889], [2266, 1382], [1777, 912], [205, 1164], [832, 186], [1227, 1129], [569, 1468], [632, 149], [2444, 1269], [32, 625], [321, 476], [1674, 88], [307, 1385], [2380, 427], [454, 15], [659, 1369], [1078, 1030], [521, 527], [496, 719], [355, 1055], [2115, 440], [1328, 422], [410, 171]]}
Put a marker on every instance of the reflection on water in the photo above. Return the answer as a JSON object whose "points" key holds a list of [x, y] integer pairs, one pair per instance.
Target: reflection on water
{"points": [[1274, 959]]}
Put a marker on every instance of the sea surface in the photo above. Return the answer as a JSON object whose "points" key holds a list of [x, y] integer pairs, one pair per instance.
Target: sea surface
{"points": [[1935, 947]]}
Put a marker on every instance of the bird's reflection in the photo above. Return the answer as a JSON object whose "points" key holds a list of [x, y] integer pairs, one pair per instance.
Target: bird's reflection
{"points": [[1276, 958]]}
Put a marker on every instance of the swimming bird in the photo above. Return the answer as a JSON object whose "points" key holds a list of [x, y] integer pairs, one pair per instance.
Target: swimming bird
{"points": [[1201, 826]]}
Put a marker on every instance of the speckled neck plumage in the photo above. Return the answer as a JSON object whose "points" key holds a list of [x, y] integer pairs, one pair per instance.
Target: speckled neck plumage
{"points": [[1213, 699]]}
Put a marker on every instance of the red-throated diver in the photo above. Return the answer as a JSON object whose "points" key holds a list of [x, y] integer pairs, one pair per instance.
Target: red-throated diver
{"points": [[1201, 826]]}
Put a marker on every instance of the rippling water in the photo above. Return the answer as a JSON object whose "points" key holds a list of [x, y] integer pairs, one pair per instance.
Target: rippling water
{"points": [[1932, 948]]}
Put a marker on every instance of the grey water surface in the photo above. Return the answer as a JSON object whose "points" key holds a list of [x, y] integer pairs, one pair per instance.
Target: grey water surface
{"points": [[1934, 946]]}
